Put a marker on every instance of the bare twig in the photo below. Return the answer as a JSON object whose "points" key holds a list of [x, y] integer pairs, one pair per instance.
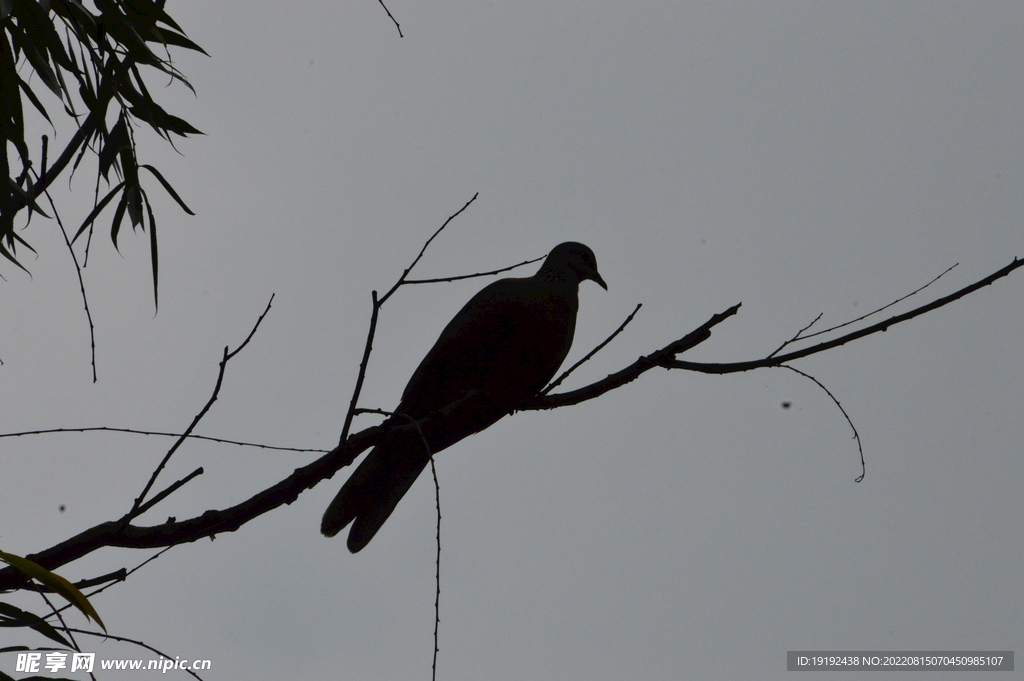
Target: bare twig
{"points": [[472, 276], [367, 349], [253, 332], [377, 304], [842, 340], [437, 499], [554, 384], [169, 491], [135, 511], [392, 18], [123, 534], [796, 336], [856, 435], [81, 283], [134, 431], [437, 573], [405, 274], [659, 358], [110, 578], [884, 307], [56, 613], [125, 639], [123, 574], [78, 140], [799, 334]]}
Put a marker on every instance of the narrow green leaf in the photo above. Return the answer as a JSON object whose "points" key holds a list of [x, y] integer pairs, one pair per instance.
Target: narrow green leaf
{"points": [[12, 122], [97, 209], [135, 205], [35, 100], [40, 27], [179, 40], [11, 616], [123, 32], [65, 90], [60, 585], [162, 121], [152, 12], [152, 252], [115, 225], [81, 154], [26, 200], [27, 42], [86, 92], [181, 126], [23, 243], [167, 186], [7, 254], [74, 62], [114, 142]]}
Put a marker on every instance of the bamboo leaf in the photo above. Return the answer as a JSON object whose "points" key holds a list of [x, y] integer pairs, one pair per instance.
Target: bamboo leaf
{"points": [[152, 251], [11, 616], [168, 187], [35, 100], [60, 585], [95, 212], [115, 225]]}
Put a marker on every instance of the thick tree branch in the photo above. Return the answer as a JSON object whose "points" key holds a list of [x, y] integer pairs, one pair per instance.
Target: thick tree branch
{"points": [[659, 358], [121, 533], [884, 325]]}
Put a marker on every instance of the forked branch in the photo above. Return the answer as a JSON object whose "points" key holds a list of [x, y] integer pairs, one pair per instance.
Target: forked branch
{"points": [[122, 533]]}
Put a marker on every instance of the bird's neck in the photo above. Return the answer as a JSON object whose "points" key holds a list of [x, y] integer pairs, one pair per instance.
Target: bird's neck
{"points": [[557, 278]]}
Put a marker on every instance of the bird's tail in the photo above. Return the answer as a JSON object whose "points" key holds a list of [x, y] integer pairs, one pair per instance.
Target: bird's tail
{"points": [[371, 493]]}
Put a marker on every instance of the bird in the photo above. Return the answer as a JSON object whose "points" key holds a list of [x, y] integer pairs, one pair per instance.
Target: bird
{"points": [[497, 353]]}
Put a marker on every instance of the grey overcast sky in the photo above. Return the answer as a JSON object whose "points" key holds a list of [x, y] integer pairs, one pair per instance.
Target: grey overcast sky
{"points": [[799, 157]]}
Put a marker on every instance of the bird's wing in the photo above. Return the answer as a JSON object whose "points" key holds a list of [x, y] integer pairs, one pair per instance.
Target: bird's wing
{"points": [[501, 348], [506, 342]]}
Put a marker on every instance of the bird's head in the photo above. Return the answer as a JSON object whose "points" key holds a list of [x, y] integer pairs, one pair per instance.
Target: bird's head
{"points": [[572, 261]]}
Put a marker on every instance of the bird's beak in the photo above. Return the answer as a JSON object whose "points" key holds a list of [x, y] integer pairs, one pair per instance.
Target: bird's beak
{"points": [[597, 277]]}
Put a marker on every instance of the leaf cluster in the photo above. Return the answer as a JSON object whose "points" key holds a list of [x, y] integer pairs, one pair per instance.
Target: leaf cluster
{"points": [[91, 61]]}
